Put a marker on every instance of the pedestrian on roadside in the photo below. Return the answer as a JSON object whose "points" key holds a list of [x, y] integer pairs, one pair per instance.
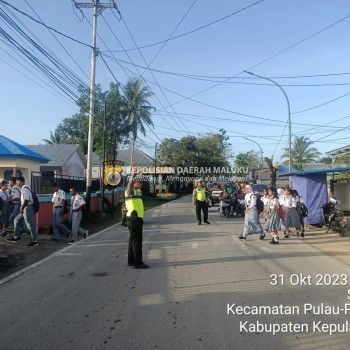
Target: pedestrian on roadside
{"points": [[26, 214], [292, 218], [124, 211], [15, 199], [265, 199], [199, 199], [251, 220], [224, 196], [76, 207], [281, 197], [5, 217], [58, 210], [273, 220], [300, 205], [134, 220]]}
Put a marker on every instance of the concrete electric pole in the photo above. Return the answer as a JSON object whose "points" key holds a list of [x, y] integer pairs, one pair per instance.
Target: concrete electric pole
{"points": [[97, 10]]}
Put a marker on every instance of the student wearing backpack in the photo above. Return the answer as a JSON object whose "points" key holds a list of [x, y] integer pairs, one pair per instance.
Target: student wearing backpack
{"points": [[26, 214], [302, 211], [251, 220]]}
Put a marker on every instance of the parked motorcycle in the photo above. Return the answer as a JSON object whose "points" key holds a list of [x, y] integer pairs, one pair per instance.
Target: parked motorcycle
{"points": [[334, 218]]}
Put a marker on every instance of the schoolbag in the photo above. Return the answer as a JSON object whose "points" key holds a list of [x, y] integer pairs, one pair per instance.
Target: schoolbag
{"points": [[36, 203], [259, 205], [304, 210]]}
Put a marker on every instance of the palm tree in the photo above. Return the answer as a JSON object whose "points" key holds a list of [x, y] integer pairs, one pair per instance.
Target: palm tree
{"points": [[301, 152], [55, 138], [138, 108]]}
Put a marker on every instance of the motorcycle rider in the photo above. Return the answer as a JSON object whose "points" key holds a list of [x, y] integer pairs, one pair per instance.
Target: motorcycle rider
{"points": [[224, 197], [329, 210]]}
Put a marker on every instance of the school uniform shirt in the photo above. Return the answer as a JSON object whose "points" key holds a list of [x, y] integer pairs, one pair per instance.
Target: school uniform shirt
{"points": [[26, 195], [281, 199], [273, 203], [290, 202], [250, 200], [58, 198], [265, 200], [15, 194], [4, 196], [77, 201]]}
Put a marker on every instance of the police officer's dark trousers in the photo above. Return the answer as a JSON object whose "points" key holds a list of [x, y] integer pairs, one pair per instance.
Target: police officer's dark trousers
{"points": [[202, 206], [135, 240]]}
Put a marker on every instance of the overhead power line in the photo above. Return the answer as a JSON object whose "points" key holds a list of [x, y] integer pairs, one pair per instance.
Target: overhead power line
{"points": [[155, 79], [209, 78], [223, 109], [65, 50], [268, 58], [43, 24], [193, 30], [159, 101]]}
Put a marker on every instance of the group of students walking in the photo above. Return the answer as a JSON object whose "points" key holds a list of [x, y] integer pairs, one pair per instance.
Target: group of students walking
{"points": [[282, 211], [17, 208]]}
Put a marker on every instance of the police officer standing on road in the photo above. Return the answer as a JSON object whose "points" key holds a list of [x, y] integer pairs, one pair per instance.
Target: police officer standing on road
{"points": [[134, 220], [199, 198]]}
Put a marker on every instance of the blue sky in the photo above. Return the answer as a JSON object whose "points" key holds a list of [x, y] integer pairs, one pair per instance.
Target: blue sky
{"points": [[240, 42]]}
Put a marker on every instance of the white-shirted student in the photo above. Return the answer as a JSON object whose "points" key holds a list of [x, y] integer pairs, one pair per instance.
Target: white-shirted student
{"points": [[59, 203], [15, 199], [26, 213], [77, 204]]}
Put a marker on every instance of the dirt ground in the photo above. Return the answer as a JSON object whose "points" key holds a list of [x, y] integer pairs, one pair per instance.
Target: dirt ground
{"points": [[16, 256]]}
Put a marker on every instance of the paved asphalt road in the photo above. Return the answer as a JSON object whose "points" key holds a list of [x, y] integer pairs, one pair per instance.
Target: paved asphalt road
{"points": [[85, 297]]}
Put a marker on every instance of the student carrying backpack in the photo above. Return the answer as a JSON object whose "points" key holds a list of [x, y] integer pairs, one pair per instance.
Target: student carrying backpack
{"points": [[259, 204], [29, 206], [251, 220], [36, 203]]}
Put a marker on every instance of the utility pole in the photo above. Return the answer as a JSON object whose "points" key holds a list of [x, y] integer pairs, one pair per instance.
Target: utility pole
{"points": [[289, 122], [98, 8]]}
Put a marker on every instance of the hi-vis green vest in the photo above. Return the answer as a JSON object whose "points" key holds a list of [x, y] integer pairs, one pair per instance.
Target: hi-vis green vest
{"points": [[200, 194], [134, 203]]}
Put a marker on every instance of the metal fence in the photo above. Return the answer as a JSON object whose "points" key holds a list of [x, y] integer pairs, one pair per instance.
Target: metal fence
{"points": [[41, 183]]}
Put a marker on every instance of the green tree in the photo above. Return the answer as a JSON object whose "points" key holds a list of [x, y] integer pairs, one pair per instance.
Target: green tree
{"points": [[209, 150], [301, 153], [325, 160], [213, 150], [182, 153], [75, 129], [343, 159], [138, 108], [248, 160], [55, 138], [117, 126]]}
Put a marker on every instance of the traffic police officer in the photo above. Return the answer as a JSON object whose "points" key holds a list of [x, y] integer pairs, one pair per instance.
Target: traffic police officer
{"points": [[199, 197], [134, 220]]}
